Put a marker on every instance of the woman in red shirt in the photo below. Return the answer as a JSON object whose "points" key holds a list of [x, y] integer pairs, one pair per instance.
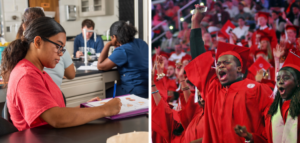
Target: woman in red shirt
{"points": [[33, 98]]}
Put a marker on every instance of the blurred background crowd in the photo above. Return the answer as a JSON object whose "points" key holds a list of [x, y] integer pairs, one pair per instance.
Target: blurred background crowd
{"points": [[270, 28]]}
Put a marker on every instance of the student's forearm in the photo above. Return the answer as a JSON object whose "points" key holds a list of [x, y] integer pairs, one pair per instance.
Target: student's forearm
{"points": [[196, 43], [104, 53], [69, 117], [156, 95], [187, 92]]}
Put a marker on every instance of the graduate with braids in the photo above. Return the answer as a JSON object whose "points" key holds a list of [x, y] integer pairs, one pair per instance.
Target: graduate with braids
{"points": [[282, 122], [164, 124], [230, 98]]}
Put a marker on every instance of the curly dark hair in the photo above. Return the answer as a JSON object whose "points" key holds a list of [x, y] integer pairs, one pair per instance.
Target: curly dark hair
{"points": [[123, 31], [294, 109]]}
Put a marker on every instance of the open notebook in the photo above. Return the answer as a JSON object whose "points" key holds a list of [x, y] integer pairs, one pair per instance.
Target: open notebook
{"points": [[132, 105]]}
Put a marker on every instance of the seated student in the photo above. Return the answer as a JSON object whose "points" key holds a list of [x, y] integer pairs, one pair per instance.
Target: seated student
{"points": [[90, 43], [65, 67], [33, 99], [131, 58]]}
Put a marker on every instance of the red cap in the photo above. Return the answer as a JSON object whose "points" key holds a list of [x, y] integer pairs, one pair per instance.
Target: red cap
{"points": [[261, 51], [267, 38], [220, 34], [186, 57], [171, 63], [242, 53], [292, 27], [264, 14], [260, 63], [164, 55], [261, 32], [292, 61]]}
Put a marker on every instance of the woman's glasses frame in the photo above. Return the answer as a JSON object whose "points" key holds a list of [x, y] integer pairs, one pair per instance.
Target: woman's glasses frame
{"points": [[59, 47]]}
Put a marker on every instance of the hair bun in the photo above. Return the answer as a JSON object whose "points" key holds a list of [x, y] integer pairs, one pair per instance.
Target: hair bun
{"points": [[23, 39]]}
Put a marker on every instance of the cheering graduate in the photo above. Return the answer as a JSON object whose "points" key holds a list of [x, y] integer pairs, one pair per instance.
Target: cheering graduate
{"points": [[282, 122], [229, 99], [189, 126], [263, 20]]}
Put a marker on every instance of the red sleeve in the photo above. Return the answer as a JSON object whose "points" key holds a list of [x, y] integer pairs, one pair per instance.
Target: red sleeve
{"points": [[162, 121], [264, 102], [189, 111], [33, 100], [200, 73], [264, 99], [161, 86], [274, 39]]}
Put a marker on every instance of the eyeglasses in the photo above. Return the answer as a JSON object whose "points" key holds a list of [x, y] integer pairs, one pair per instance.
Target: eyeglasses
{"points": [[59, 47]]}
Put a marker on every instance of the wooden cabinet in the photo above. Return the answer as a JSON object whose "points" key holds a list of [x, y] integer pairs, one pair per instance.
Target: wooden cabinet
{"points": [[92, 8]]}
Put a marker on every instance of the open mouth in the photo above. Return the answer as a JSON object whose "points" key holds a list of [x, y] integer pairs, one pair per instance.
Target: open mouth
{"points": [[222, 75], [281, 90]]}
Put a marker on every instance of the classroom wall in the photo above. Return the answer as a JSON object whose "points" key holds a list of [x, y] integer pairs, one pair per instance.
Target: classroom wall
{"points": [[12, 8], [102, 23]]}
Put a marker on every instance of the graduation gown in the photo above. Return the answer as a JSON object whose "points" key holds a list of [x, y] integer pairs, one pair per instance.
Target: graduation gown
{"points": [[191, 118], [242, 103], [283, 126], [271, 32]]}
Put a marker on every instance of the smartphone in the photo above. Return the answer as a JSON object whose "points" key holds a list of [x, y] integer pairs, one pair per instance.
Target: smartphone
{"points": [[204, 9]]}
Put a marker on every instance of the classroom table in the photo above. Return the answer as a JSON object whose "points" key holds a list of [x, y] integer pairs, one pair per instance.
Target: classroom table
{"points": [[94, 132]]}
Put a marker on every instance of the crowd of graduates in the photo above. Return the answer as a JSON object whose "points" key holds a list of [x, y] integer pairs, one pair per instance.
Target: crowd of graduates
{"points": [[233, 76]]}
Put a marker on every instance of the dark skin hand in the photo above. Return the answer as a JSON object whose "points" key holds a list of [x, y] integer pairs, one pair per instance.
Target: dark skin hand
{"points": [[227, 70], [242, 132], [285, 84]]}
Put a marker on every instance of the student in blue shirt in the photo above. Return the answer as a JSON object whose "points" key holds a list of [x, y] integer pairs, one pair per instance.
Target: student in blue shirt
{"points": [[130, 57], [91, 43]]}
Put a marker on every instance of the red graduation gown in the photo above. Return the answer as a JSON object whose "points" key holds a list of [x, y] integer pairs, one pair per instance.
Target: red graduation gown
{"points": [[271, 33], [242, 103], [163, 122], [284, 112]]}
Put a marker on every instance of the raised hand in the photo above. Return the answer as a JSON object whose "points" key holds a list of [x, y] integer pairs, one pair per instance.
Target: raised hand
{"points": [[197, 16], [160, 65], [242, 132], [278, 51], [157, 50]]}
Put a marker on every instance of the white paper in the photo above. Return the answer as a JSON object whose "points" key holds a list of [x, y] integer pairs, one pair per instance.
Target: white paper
{"points": [[129, 103], [87, 68]]}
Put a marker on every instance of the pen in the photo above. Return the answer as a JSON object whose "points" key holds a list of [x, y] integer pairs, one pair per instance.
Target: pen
{"points": [[115, 87]]}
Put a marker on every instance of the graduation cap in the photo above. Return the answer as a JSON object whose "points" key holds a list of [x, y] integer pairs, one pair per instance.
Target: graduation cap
{"points": [[292, 27], [261, 32], [292, 61], [265, 38], [261, 52], [164, 55], [264, 14], [186, 57], [171, 63], [241, 53], [220, 34], [259, 64]]}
